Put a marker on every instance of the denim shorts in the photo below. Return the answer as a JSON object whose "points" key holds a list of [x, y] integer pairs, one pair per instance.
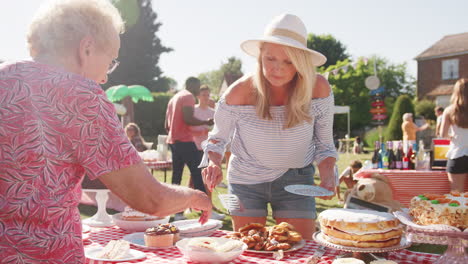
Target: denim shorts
{"points": [[255, 197], [458, 165]]}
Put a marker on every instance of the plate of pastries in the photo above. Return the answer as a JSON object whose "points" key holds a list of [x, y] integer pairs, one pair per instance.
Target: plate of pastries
{"points": [[269, 239]]}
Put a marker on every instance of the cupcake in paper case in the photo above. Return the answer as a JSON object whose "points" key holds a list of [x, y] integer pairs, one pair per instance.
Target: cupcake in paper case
{"points": [[163, 235]]}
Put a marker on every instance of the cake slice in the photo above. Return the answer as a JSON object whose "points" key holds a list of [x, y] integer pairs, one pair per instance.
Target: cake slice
{"points": [[115, 249]]}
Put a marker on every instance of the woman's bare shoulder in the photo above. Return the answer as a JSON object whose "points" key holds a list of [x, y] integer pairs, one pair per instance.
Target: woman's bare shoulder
{"points": [[240, 92], [321, 88]]}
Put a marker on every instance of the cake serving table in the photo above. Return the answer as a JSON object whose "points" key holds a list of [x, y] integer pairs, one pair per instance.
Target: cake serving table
{"points": [[364, 254]]}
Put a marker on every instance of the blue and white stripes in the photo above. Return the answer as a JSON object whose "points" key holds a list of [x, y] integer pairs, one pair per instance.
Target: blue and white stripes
{"points": [[262, 150]]}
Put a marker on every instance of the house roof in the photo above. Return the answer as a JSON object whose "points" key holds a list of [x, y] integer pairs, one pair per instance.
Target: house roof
{"points": [[443, 89], [448, 46]]}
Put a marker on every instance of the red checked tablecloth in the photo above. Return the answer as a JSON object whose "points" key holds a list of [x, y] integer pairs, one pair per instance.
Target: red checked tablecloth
{"points": [[409, 183], [158, 165], [101, 236]]}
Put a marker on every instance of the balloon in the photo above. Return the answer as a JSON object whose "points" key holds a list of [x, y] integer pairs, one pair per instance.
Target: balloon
{"points": [[129, 10]]}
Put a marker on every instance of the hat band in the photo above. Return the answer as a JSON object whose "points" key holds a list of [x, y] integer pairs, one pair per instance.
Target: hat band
{"points": [[289, 34]]}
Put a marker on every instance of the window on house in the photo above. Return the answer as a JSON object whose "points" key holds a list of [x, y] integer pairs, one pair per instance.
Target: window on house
{"points": [[450, 69]]}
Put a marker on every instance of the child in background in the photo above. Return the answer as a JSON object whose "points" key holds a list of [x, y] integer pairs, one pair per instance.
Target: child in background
{"points": [[358, 145], [347, 177], [132, 131]]}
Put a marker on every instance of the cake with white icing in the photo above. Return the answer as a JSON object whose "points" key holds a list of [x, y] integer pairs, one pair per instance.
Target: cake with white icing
{"points": [[360, 228], [445, 209]]}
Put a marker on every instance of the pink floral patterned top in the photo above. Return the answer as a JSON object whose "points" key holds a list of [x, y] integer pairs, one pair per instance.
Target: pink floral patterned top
{"points": [[55, 127]]}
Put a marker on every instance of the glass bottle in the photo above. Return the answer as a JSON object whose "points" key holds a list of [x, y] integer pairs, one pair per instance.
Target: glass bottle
{"points": [[376, 158], [391, 156], [384, 155]]}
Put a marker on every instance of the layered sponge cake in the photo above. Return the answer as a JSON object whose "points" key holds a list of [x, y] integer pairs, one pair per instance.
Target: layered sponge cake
{"points": [[446, 209], [360, 228]]}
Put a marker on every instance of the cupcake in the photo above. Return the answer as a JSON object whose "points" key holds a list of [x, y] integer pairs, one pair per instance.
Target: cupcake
{"points": [[163, 235]]}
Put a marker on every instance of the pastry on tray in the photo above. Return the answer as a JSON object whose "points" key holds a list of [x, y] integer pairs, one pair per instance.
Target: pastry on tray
{"points": [[273, 238]]}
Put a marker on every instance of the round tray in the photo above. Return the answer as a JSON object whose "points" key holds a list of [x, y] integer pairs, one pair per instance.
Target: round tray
{"points": [[318, 237], [295, 247]]}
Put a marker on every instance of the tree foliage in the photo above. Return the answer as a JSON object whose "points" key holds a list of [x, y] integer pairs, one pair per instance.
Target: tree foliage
{"points": [[332, 48], [403, 105], [139, 53], [150, 116], [349, 89], [425, 108], [215, 78]]}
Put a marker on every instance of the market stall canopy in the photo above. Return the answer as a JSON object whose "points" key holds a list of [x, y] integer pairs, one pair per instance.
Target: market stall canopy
{"points": [[343, 110]]}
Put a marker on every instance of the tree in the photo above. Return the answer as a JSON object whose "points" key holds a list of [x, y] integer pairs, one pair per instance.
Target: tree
{"points": [[214, 78], [332, 48], [403, 105], [349, 89], [140, 51]]}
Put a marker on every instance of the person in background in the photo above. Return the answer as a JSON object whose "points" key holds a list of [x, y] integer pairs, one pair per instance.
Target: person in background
{"points": [[280, 120], [347, 177], [438, 111], [133, 133], [203, 111], [179, 118], [409, 128], [358, 145], [57, 126], [455, 117]]}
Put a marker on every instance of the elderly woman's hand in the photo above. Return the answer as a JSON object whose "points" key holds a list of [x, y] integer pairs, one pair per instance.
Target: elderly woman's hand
{"points": [[201, 202], [212, 175]]}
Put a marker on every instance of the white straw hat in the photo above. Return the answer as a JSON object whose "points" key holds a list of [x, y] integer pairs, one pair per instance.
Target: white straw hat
{"points": [[285, 29]]}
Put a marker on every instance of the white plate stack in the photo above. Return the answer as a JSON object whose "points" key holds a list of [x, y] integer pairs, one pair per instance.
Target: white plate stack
{"points": [[192, 228]]}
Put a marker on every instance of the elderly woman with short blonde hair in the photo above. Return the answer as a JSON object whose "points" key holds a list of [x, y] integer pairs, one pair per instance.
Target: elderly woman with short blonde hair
{"points": [[57, 125]]}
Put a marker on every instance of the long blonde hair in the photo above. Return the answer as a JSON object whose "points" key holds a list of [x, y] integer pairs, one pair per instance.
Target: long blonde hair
{"points": [[300, 94], [459, 100]]}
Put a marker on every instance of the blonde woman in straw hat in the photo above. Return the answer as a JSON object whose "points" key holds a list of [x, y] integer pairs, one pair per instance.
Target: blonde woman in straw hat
{"points": [[279, 121]]}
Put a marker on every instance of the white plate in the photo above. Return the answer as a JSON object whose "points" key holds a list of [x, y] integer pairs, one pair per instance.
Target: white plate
{"points": [[193, 226], [209, 256], [137, 226], [295, 247], [138, 240], [308, 190], [85, 228], [207, 232], [92, 253]]}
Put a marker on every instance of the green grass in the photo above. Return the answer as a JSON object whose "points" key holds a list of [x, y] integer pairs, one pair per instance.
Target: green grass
{"points": [[344, 161]]}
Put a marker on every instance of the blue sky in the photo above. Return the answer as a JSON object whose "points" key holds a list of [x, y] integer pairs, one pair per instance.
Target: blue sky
{"points": [[205, 33]]}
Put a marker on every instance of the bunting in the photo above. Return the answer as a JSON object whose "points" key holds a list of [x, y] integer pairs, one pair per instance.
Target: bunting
{"points": [[345, 68]]}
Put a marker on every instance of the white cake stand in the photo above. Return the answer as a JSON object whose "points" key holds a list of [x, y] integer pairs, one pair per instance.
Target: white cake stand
{"points": [[101, 218], [361, 253], [454, 238], [455, 241]]}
